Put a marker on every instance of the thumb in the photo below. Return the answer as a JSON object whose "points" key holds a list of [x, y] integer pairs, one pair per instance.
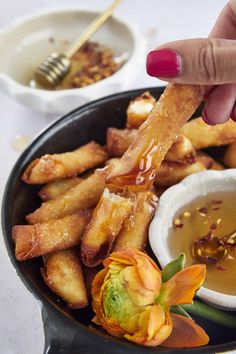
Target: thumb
{"points": [[195, 61]]}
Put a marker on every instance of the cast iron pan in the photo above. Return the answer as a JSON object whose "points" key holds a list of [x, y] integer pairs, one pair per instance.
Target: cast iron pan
{"points": [[66, 331]]}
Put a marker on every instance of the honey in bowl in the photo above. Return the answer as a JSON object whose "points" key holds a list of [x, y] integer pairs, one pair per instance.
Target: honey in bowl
{"points": [[205, 230], [93, 62]]}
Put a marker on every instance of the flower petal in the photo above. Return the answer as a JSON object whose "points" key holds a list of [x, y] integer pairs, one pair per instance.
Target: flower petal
{"points": [[135, 289], [154, 327], [124, 257], [181, 288], [96, 286], [185, 334], [151, 276]]}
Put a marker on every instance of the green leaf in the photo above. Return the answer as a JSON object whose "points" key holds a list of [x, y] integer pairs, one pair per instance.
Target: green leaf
{"points": [[179, 310], [211, 313], [173, 267]]}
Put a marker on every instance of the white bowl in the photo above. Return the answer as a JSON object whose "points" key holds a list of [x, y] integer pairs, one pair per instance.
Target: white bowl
{"points": [[28, 41], [171, 202]]}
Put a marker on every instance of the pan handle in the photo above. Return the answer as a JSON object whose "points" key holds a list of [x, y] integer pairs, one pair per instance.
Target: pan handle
{"points": [[63, 336], [59, 333]]}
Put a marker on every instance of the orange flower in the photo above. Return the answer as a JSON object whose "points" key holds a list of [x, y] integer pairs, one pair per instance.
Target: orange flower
{"points": [[131, 301]]}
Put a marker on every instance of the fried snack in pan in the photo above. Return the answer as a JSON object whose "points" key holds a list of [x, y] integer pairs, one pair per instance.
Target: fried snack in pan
{"points": [[134, 232], [118, 140], [81, 197], [229, 158], [181, 150], [54, 189], [105, 224], [203, 135], [36, 240], [139, 109], [62, 272], [138, 166], [170, 173], [49, 168], [208, 161]]}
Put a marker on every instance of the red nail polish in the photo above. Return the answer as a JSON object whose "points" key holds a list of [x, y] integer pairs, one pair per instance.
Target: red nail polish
{"points": [[163, 63], [206, 119]]}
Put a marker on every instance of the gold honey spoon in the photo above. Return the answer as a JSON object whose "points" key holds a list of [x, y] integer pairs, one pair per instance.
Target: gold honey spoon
{"points": [[53, 69]]}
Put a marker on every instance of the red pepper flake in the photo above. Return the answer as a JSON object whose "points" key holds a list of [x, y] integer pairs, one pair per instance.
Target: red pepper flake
{"points": [[203, 210], [213, 226], [216, 209], [179, 226], [214, 201], [219, 267]]}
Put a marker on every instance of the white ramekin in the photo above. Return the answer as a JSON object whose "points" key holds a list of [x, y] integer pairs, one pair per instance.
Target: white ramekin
{"points": [[173, 200]]}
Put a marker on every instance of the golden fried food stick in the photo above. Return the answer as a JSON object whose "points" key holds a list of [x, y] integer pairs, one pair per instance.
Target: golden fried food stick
{"points": [[118, 140], [49, 168], [36, 240], [203, 135], [230, 156], [83, 196], [181, 150], [134, 232], [139, 109], [62, 272], [106, 223], [208, 161], [138, 166], [54, 189], [170, 173]]}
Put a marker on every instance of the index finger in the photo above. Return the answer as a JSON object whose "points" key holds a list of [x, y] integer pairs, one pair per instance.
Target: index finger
{"points": [[225, 26]]}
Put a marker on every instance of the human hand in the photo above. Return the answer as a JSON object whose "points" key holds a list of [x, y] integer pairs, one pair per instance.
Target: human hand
{"points": [[210, 62]]}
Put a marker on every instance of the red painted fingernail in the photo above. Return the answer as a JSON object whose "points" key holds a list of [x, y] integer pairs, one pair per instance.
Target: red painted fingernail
{"points": [[206, 119], [163, 63]]}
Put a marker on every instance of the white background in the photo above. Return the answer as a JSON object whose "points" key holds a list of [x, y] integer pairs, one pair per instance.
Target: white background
{"points": [[159, 21]]}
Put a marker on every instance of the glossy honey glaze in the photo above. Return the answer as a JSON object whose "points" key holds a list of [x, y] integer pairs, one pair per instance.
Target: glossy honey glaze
{"points": [[215, 215]]}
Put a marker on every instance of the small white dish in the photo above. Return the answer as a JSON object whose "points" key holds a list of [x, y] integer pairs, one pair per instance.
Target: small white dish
{"points": [[29, 40], [171, 202]]}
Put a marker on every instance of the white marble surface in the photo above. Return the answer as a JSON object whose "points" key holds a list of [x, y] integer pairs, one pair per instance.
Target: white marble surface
{"points": [[159, 21]]}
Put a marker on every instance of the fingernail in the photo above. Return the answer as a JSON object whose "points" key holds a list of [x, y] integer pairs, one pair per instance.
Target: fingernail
{"points": [[206, 119], [163, 63]]}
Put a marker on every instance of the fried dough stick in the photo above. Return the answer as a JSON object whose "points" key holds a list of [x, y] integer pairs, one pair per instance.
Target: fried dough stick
{"points": [[208, 161], [36, 240], [230, 156], [137, 168], [62, 272], [118, 141], [54, 189], [134, 232], [49, 168], [203, 135], [106, 223], [139, 109], [170, 173], [83, 196], [181, 150]]}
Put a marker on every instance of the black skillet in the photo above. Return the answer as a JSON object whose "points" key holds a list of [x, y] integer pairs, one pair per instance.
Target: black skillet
{"points": [[66, 331]]}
